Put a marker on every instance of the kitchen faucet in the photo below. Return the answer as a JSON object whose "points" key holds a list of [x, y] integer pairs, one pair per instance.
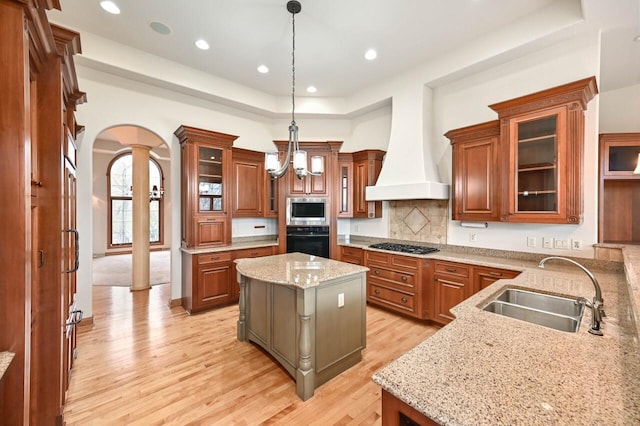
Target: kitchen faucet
{"points": [[597, 306]]}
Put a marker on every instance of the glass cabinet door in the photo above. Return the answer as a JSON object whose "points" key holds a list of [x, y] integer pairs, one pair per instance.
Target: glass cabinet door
{"points": [[536, 176], [210, 183]]}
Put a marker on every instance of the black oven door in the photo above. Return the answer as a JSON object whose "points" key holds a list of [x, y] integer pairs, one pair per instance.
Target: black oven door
{"points": [[313, 240]]}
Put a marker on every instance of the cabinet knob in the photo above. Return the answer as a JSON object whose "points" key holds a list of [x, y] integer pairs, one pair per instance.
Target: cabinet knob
{"points": [[404, 278], [404, 300], [376, 291], [459, 212], [377, 272]]}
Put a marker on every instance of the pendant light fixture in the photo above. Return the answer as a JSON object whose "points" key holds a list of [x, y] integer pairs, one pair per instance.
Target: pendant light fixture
{"points": [[294, 154]]}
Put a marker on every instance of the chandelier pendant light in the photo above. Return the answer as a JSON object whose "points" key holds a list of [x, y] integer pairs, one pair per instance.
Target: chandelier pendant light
{"points": [[299, 158]]}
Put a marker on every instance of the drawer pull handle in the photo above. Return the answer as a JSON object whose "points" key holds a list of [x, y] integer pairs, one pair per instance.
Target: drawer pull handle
{"points": [[404, 300], [403, 278], [377, 272], [376, 291], [450, 269], [495, 274]]}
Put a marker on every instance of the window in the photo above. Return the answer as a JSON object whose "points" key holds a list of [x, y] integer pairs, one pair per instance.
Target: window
{"points": [[119, 183]]}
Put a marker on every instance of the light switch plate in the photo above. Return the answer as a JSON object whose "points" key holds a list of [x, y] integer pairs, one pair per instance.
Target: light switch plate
{"points": [[531, 241]]}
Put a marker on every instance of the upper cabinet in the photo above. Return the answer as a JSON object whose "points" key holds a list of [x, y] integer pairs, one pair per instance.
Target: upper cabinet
{"points": [[620, 188], [366, 168], [476, 172], [248, 178], [542, 135], [317, 186], [530, 168], [206, 174], [345, 185]]}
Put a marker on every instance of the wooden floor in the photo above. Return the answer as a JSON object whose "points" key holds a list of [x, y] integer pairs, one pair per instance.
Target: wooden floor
{"points": [[146, 364]]}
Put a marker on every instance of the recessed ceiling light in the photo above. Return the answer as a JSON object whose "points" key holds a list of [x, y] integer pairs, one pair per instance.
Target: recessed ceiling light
{"points": [[370, 55], [263, 69], [202, 44], [110, 7], [312, 89], [159, 27]]}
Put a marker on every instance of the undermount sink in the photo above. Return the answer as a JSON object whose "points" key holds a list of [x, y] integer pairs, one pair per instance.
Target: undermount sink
{"points": [[560, 313]]}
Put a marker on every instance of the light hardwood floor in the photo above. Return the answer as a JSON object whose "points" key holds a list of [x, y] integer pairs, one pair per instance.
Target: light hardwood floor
{"points": [[144, 363]]}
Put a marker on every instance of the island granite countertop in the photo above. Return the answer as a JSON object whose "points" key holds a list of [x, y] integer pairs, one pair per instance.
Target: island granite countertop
{"points": [[487, 369]]}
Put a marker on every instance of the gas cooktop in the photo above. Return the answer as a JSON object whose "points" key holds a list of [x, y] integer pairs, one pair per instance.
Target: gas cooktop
{"points": [[404, 248]]}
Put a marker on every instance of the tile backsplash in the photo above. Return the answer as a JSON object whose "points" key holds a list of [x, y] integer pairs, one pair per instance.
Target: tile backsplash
{"points": [[419, 220]]}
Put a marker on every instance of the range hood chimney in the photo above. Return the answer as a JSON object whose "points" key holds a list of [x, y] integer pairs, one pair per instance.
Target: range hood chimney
{"points": [[408, 171]]}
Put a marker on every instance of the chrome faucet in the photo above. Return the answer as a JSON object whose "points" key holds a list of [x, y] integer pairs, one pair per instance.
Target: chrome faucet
{"points": [[597, 306]]}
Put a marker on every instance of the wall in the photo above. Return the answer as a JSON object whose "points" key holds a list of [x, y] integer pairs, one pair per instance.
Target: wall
{"points": [[620, 110]]}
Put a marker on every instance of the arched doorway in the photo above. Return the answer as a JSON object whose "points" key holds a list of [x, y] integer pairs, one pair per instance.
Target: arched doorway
{"points": [[112, 202]]}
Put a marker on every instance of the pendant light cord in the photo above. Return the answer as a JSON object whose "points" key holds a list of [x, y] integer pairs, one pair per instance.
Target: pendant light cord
{"points": [[293, 72]]}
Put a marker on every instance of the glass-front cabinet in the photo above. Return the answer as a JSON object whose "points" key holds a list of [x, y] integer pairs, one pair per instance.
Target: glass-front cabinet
{"points": [[543, 137], [205, 187], [537, 156]]}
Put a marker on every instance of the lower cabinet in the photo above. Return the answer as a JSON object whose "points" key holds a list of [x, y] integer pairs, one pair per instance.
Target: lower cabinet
{"points": [[397, 413], [352, 255], [209, 280], [395, 282], [244, 254], [483, 277], [451, 286]]}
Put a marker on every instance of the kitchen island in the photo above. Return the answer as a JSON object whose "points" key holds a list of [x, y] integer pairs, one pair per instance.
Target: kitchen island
{"points": [[308, 312]]}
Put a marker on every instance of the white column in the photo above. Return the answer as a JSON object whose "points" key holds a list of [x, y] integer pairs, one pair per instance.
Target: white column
{"points": [[140, 279]]}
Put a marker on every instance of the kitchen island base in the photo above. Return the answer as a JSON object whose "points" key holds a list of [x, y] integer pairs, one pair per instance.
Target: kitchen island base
{"points": [[315, 333]]}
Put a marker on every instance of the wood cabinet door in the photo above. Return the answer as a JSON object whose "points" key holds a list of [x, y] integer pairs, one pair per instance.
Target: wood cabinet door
{"points": [[247, 183], [345, 186], [448, 293], [484, 277], [311, 185], [214, 284], [360, 174], [210, 232]]}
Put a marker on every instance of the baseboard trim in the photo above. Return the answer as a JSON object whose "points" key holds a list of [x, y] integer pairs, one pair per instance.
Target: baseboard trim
{"points": [[174, 303], [86, 323]]}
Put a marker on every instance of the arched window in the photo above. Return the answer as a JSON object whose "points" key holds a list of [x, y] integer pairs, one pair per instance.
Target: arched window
{"points": [[119, 184]]}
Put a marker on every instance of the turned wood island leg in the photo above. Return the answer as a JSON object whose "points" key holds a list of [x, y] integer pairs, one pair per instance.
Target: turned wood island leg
{"points": [[305, 374], [242, 317]]}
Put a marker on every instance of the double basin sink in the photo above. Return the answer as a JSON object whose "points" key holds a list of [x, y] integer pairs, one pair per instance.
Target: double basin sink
{"points": [[560, 313]]}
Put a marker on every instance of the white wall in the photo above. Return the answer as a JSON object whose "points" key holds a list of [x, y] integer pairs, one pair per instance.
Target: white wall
{"points": [[620, 110], [465, 102]]}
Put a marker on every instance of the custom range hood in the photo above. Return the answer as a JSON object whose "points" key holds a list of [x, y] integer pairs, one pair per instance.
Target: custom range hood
{"points": [[409, 171]]}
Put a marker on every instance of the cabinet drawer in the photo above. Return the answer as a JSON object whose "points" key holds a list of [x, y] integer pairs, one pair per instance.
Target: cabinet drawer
{"points": [[254, 252], [396, 299], [452, 269], [213, 257], [378, 257], [352, 252], [401, 278]]}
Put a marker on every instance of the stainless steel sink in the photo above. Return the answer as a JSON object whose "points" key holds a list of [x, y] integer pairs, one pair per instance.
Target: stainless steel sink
{"points": [[560, 313]]}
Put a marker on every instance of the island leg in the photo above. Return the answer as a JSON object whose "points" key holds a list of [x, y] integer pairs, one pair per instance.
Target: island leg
{"points": [[242, 319], [305, 374]]}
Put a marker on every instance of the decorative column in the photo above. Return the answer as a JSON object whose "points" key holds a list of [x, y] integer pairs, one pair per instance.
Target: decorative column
{"points": [[140, 216]]}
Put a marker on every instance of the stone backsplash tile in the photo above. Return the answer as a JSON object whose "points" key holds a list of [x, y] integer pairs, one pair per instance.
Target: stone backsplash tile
{"points": [[419, 220]]}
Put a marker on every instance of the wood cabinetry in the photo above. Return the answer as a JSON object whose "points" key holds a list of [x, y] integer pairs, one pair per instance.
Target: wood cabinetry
{"points": [[366, 168], [619, 195], [543, 135], [452, 285], [345, 185], [483, 277], [248, 183], [39, 97], [244, 254], [395, 282], [397, 413], [352, 255], [206, 187], [206, 281], [476, 172], [320, 185]]}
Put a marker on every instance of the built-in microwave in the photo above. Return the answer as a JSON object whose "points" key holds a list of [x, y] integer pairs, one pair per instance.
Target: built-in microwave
{"points": [[307, 212]]}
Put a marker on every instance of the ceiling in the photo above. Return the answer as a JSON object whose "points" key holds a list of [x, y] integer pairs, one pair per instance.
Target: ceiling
{"points": [[333, 35]]}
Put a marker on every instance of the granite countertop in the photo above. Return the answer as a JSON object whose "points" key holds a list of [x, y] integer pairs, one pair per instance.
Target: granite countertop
{"points": [[236, 245], [296, 269], [485, 368], [5, 360]]}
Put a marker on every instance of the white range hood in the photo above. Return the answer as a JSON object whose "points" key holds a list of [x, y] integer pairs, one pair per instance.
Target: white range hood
{"points": [[409, 171]]}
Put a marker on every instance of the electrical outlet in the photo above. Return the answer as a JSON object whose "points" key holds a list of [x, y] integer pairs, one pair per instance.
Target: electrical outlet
{"points": [[340, 300], [473, 237], [560, 243], [531, 241], [547, 242], [576, 244]]}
